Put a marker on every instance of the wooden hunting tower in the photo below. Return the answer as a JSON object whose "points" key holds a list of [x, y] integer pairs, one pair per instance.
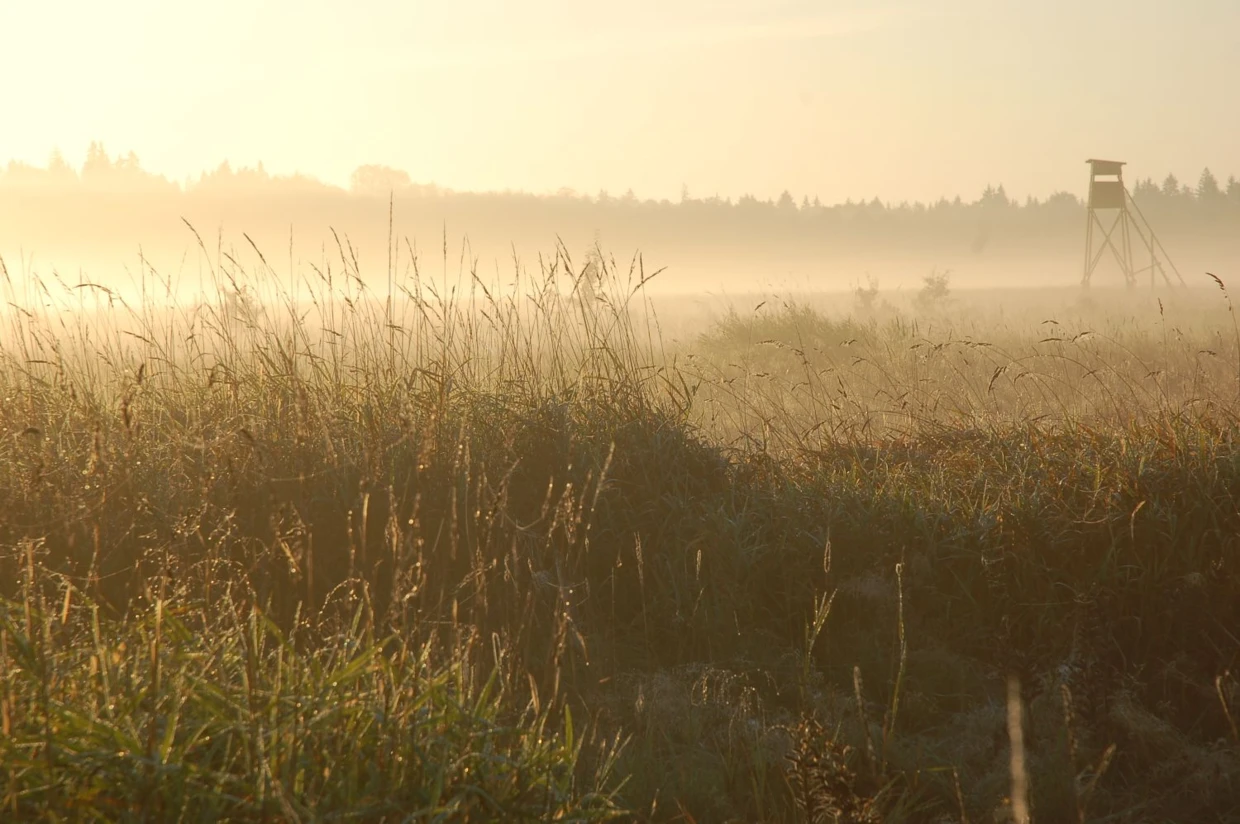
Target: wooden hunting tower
{"points": [[1108, 197]]}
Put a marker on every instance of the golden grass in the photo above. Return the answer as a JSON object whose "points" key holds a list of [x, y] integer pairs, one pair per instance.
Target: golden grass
{"points": [[492, 550]]}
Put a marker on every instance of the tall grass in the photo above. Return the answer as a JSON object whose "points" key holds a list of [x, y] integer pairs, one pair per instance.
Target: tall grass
{"points": [[477, 549]]}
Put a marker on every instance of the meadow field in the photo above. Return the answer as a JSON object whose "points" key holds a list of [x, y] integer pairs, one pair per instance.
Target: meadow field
{"points": [[539, 547]]}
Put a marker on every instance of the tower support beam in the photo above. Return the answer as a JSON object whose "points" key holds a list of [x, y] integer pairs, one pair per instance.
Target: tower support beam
{"points": [[1108, 196]]}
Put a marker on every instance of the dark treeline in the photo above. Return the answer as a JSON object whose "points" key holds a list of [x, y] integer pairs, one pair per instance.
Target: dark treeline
{"points": [[111, 206]]}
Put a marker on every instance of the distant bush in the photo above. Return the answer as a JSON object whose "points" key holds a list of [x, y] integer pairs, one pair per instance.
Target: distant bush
{"points": [[867, 295], [935, 290]]}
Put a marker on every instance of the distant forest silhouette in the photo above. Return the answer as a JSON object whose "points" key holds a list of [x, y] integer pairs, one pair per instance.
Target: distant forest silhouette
{"points": [[111, 205]]}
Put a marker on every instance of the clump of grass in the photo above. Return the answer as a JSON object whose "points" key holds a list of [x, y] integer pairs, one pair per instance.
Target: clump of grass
{"points": [[183, 710], [823, 783], [372, 537]]}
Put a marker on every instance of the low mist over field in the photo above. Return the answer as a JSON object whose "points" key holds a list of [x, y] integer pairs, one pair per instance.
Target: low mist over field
{"points": [[663, 412], [102, 221]]}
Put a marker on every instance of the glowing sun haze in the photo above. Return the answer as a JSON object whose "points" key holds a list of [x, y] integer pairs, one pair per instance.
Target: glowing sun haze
{"points": [[900, 100]]}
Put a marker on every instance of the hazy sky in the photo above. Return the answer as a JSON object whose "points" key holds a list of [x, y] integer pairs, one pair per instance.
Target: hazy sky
{"points": [[901, 100]]}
